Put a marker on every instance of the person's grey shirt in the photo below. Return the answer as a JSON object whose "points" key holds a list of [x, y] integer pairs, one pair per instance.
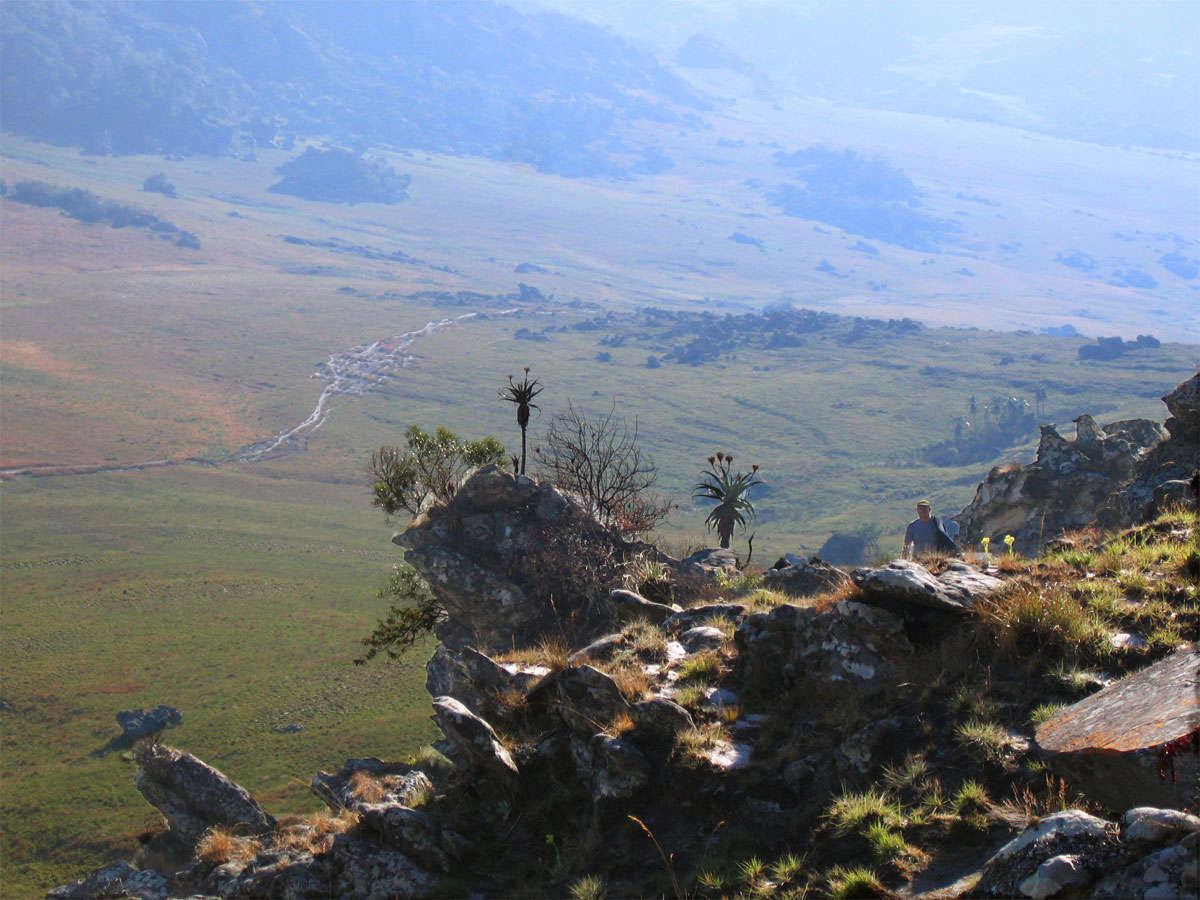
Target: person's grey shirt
{"points": [[922, 535]]}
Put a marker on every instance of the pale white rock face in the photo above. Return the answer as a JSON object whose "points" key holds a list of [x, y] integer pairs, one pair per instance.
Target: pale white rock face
{"points": [[1149, 824], [727, 756], [1052, 876], [1067, 822]]}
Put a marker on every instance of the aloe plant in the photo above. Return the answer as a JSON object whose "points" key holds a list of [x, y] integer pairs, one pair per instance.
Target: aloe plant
{"points": [[729, 490], [521, 393]]}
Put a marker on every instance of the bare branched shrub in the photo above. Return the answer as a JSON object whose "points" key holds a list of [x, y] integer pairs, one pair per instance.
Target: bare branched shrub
{"points": [[600, 460]]}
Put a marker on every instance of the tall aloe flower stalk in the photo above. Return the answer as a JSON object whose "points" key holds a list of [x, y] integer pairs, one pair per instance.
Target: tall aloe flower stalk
{"points": [[522, 393], [729, 490]]}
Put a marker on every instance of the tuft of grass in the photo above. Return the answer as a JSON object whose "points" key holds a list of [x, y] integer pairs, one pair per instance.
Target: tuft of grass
{"points": [[703, 668], [751, 869], [1026, 622], [711, 879], [970, 798], [1044, 712], [986, 741], [908, 774], [622, 724], [219, 845], [646, 639], [588, 887], [1164, 638], [430, 761], [845, 884], [631, 678], [691, 744], [691, 696], [366, 788], [886, 845], [852, 810], [788, 867]]}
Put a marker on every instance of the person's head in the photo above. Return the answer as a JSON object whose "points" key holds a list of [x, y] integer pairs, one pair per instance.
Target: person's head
{"points": [[924, 510]]}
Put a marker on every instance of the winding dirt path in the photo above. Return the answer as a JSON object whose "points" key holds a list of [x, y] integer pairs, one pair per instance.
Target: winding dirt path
{"points": [[354, 371]]}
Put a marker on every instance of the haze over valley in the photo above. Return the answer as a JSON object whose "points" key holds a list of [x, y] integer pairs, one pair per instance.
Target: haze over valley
{"points": [[246, 244]]}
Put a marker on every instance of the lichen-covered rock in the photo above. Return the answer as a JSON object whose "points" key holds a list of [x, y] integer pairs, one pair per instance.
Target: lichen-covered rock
{"points": [[849, 643], [193, 796], [1055, 874], [906, 582], [475, 739], [805, 579], [614, 769], [1113, 744], [630, 605], [587, 699], [368, 871], [661, 716], [118, 879], [471, 677], [411, 831]]}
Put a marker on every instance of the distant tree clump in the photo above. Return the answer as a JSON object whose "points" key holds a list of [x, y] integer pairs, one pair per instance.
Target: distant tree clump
{"points": [[158, 184], [92, 210], [335, 175]]}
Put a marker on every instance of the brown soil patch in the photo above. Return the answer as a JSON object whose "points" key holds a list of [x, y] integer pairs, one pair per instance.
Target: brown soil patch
{"points": [[28, 355]]}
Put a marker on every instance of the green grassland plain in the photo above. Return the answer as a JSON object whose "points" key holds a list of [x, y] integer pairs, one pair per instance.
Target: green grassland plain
{"points": [[237, 591]]}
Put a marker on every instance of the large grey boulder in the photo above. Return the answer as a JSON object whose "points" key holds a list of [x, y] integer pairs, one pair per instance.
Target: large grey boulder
{"points": [[501, 549], [1148, 824], [804, 579], [475, 739], [396, 782], [368, 871], [193, 796], [1113, 744], [904, 582], [471, 677], [661, 716]]}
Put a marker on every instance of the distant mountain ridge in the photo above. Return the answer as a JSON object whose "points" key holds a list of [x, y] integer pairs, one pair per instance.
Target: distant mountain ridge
{"points": [[475, 78]]}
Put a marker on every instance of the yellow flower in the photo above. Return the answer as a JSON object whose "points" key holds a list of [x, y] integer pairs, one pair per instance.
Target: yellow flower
{"points": [[986, 541], [1010, 540]]}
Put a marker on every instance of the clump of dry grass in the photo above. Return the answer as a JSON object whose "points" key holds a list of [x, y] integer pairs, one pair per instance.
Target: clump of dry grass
{"points": [[313, 833], [551, 652], [622, 724], [631, 679], [366, 788], [646, 639], [219, 845]]}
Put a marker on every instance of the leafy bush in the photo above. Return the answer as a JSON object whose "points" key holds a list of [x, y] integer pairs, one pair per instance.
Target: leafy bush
{"points": [[92, 210], [431, 468], [414, 613], [158, 184]]}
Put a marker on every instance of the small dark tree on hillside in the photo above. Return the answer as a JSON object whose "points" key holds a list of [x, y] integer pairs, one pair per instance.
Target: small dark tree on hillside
{"points": [[729, 490], [158, 184], [414, 612], [430, 467], [600, 460]]}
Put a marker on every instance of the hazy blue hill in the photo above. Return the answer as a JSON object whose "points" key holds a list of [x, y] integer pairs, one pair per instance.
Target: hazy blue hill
{"points": [[474, 78]]}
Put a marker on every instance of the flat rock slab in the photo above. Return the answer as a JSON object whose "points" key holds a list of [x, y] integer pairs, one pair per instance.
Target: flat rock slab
{"points": [[1113, 743], [905, 582]]}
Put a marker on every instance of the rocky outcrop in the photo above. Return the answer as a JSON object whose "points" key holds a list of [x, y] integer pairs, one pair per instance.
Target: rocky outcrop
{"points": [[118, 879], [475, 739], [710, 563], [1063, 489], [498, 552], [1072, 853], [1108, 475], [1174, 461], [194, 796], [629, 606], [1134, 743], [804, 579]]}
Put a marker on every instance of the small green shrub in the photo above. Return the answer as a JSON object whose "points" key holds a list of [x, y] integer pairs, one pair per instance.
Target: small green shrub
{"points": [[413, 613], [851, 810], [703, 668], [970, 798], [886, 845], [1044, 712]]}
